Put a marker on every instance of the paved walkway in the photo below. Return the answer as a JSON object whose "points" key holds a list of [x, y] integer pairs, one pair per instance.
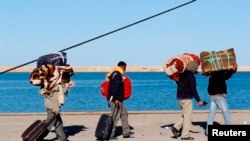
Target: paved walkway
{"points": [[148, 126]]}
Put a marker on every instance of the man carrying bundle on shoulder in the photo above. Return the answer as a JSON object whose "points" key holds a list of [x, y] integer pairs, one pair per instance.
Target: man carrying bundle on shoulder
{"points": [[54, 82], [54, 100], [219, 66], [186, 91]]}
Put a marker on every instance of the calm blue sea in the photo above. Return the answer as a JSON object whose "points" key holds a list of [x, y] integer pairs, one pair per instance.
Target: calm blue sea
{"points": [[151, 91]]}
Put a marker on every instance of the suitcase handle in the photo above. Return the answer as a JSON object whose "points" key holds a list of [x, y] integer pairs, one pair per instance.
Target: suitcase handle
{"points": [[115, 109], [49, 122]]}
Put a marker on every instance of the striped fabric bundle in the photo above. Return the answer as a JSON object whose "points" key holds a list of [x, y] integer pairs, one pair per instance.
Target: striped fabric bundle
{"points": [[216, 61], [177, 64]]}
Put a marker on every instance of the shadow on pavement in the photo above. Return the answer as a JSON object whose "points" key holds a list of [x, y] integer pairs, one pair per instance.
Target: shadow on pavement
{"points": [[201, 124], [118, 130], [69, 131]]}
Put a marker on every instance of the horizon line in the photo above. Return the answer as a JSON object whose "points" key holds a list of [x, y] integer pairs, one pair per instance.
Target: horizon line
{"points": [[142, 68]]}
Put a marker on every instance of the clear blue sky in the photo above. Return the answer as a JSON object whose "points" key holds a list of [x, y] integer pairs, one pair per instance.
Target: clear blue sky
{"points": [[31, 28]]}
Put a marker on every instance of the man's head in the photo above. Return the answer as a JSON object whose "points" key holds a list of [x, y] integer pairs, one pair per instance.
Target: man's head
{"points": [[192, 66], [66, 75], [123, 65]]}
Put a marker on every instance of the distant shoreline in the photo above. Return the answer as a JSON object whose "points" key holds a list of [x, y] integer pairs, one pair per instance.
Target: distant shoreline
{"points": [[109, 68]]}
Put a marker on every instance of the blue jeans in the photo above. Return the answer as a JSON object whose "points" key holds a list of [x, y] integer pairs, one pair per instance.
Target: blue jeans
{"points": [[221, 102]]}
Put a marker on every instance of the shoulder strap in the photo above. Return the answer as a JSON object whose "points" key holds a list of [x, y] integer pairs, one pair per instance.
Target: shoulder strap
{"points": [[113, 74], [50, 120]]}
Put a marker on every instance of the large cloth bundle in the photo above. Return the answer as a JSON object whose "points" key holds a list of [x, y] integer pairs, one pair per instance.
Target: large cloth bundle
{"points": [[57, 59], [177, 65], [216, 61]]}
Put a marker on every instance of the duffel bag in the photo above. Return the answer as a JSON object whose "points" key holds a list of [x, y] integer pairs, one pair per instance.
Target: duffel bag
{"points": [[58, 59]]}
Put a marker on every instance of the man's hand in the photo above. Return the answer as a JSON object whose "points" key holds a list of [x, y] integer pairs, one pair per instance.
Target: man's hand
{"points": [[235, 66], [117, 102], [201, 103], [56, 112]]}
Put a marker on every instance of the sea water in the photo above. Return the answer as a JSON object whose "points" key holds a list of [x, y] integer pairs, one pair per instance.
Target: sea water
{"points": [[151, 91]]}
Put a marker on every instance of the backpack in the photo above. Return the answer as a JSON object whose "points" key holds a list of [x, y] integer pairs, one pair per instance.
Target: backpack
{"points": [[127, 88], [104, 88]]}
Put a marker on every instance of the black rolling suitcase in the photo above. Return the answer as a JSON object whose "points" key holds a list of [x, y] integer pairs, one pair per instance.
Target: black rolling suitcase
{"points": [[104, 126], [36, 130]]}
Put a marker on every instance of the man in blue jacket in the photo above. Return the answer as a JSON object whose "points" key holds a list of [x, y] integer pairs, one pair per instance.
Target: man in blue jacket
{"points": [[186, 91]]}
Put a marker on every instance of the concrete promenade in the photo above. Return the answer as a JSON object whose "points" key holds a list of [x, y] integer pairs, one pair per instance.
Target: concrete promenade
{"points": [[147, 125]]}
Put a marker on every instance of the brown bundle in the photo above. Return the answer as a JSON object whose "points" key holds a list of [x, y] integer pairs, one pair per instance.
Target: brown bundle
{"points": [[216, 61]]}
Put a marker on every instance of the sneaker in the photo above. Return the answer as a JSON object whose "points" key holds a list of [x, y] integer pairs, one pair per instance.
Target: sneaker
{"points": [[131, 133], [174, 131], [187, 138]]}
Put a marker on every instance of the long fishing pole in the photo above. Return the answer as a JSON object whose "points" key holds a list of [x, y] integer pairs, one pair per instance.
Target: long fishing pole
{"points": [[100, 36]]}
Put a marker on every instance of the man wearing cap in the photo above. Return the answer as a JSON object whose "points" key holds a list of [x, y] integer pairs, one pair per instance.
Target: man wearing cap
{"points": [[186, 91]]}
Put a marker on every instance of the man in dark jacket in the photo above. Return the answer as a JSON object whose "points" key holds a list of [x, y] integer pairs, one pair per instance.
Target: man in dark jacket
{"points": [[217, 89], [116, 92], [186, 91]]}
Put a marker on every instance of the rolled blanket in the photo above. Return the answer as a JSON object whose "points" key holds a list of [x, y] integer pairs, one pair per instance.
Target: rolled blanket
{"points": [[177, 64]]}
